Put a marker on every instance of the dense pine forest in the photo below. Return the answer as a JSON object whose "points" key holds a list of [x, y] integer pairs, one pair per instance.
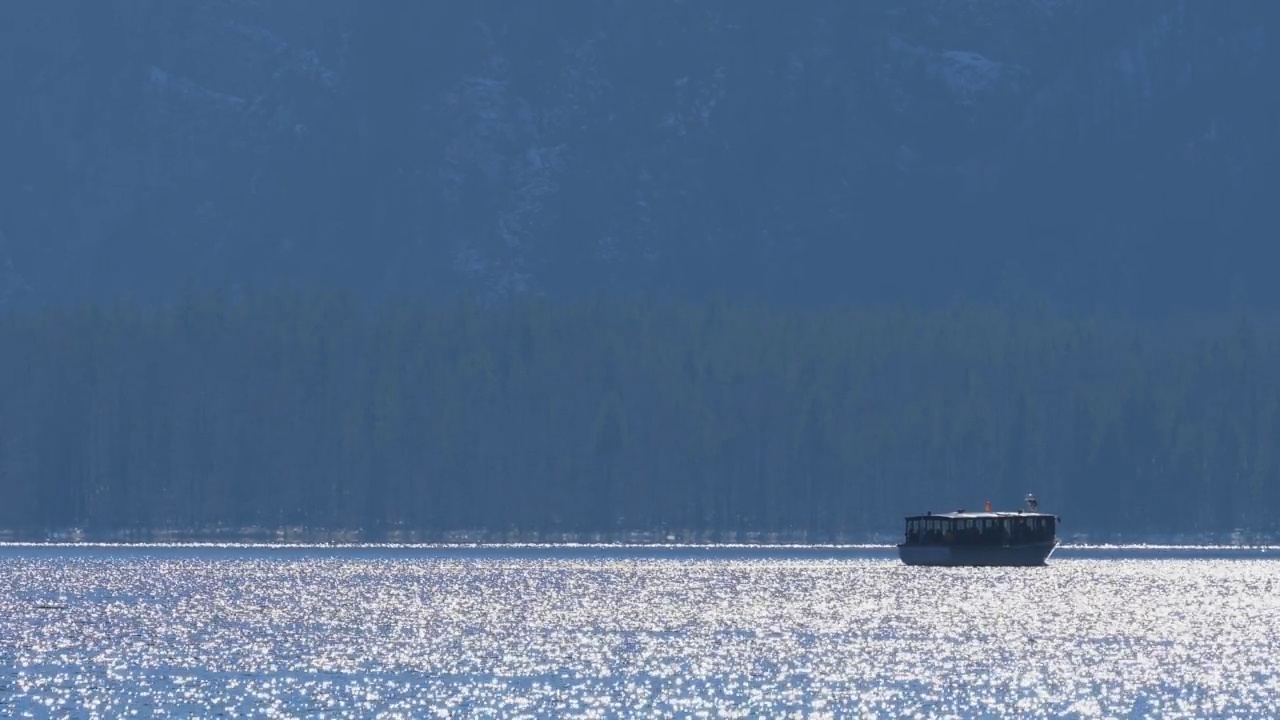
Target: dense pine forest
{"points": [[321, 415]]}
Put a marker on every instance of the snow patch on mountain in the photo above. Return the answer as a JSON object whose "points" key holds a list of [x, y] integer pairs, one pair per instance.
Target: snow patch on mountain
{"points": [[162, 81], [965, 73]]}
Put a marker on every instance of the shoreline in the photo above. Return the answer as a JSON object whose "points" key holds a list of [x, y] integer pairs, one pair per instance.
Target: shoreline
{"points": [[618, 547]]}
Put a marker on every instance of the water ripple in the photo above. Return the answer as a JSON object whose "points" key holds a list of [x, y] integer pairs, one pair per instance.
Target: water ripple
{"points": [[182, 634]]}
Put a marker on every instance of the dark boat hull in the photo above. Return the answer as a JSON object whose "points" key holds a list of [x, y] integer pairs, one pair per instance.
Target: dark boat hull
{"points": [[976, 555]]}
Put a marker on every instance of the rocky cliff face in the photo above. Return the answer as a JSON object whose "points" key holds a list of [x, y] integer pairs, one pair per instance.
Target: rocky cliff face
{"points": [[1086, 153]]}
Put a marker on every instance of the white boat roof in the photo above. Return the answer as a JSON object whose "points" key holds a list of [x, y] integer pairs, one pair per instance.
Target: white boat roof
{"points": [[962, 515]]}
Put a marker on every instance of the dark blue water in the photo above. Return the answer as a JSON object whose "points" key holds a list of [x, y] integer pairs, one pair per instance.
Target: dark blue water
{"points": [[228, 631]]}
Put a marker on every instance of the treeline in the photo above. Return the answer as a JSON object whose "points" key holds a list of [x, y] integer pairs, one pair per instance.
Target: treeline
{"points": [[413, 420]]}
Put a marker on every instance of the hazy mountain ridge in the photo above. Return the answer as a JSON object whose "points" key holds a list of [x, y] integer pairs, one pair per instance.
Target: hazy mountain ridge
{"points": [[1089, 153]]}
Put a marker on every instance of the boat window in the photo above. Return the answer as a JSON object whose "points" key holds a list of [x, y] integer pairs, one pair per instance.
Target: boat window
{"points": [[1042, 528], [913, 530]]}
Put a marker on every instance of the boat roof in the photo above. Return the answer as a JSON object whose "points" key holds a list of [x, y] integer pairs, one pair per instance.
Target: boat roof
{"points": [[961, 515]]}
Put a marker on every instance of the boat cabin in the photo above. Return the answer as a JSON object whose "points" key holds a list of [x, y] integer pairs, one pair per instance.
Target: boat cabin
{"points": [[981, 528]]}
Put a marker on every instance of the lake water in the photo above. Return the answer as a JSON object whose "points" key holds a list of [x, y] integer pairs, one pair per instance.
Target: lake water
{"points": [[623, 632]]}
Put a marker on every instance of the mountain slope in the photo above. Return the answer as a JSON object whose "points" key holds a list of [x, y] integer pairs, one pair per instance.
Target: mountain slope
{"points": [[1082, 153]]}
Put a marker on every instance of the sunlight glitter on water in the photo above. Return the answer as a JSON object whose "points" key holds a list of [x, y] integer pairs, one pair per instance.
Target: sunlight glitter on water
{"points": [[192, 633]]}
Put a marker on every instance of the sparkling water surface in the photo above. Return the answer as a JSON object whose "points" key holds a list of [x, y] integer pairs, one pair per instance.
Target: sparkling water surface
{"points": [[615, 632]]}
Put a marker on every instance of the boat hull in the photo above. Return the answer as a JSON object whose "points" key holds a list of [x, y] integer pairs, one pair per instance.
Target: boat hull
{"points": [[1030, 555]]}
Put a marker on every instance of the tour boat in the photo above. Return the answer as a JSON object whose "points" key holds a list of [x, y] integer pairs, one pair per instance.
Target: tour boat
{"points": [[1018, 538]]}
